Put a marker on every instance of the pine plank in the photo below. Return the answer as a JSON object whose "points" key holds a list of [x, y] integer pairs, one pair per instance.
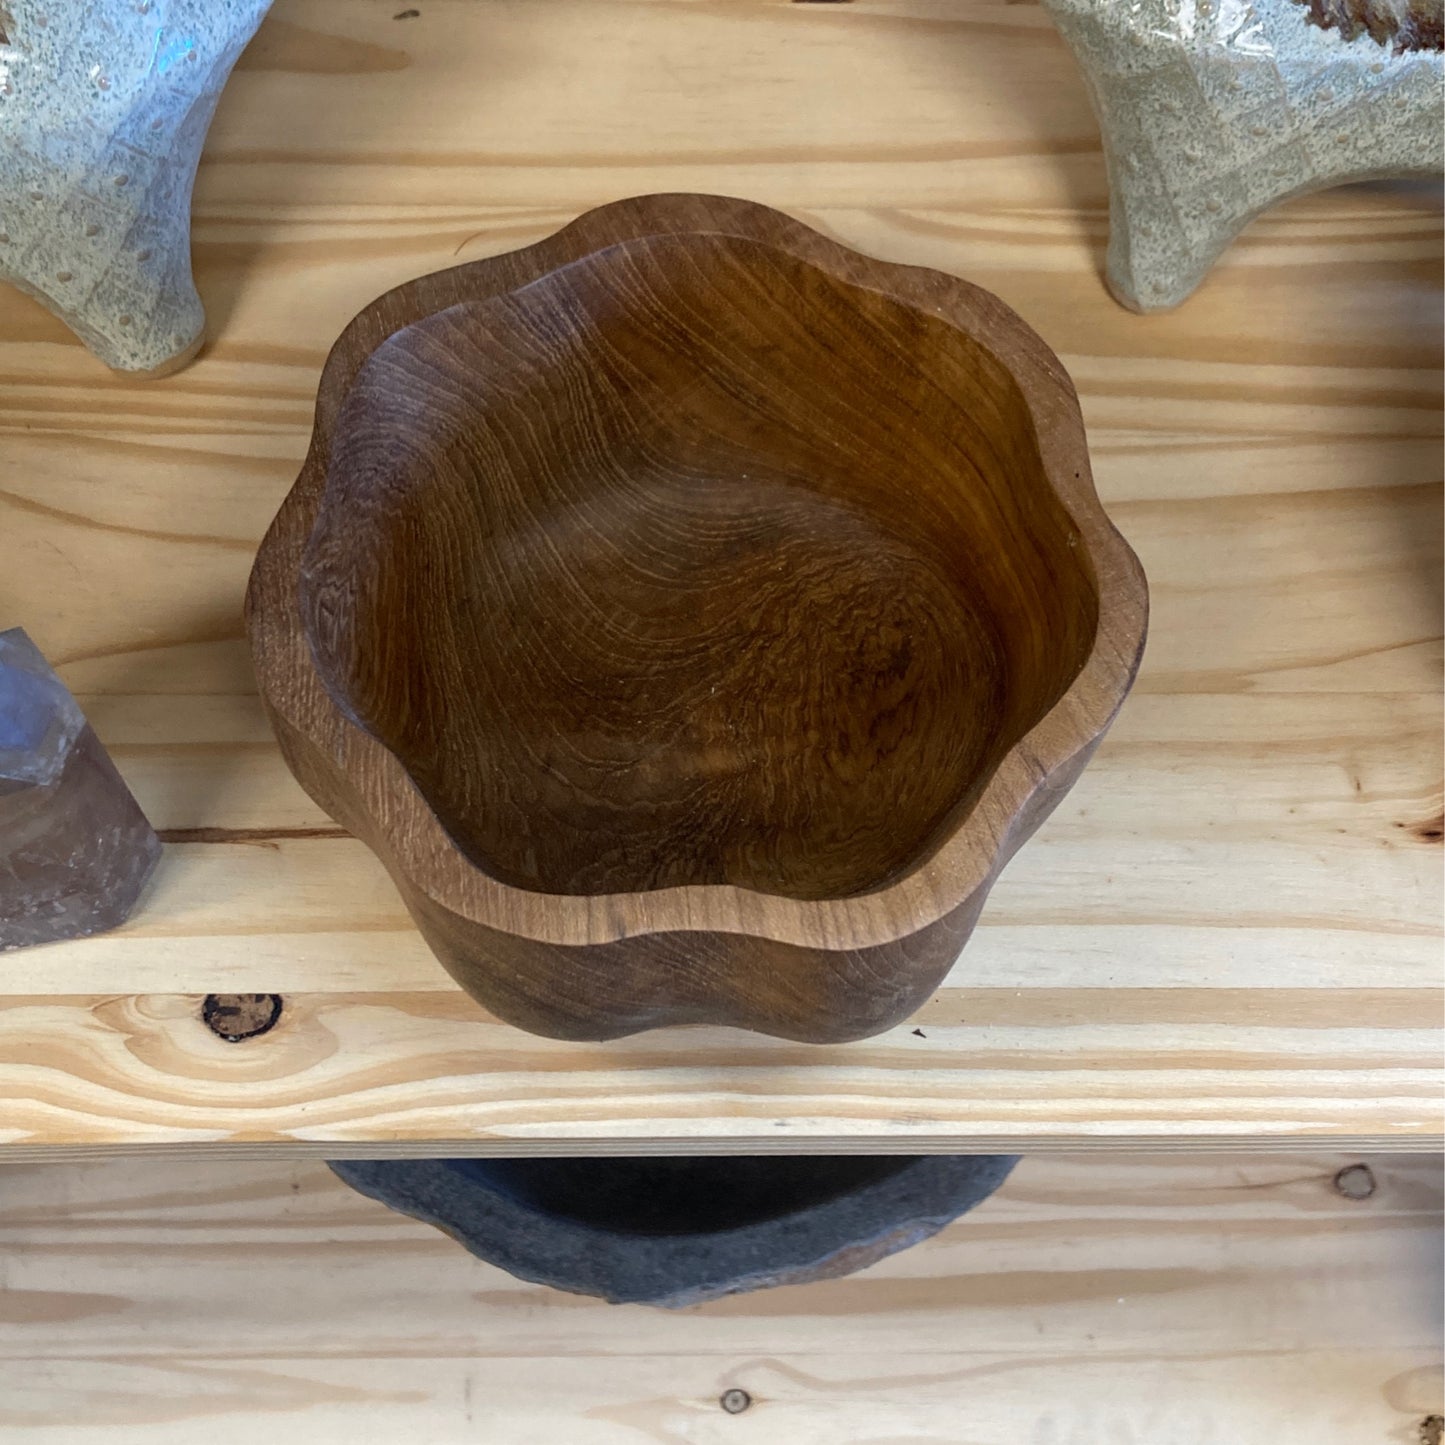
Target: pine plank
{"points": [[1092, 1301], [1230, 931]]}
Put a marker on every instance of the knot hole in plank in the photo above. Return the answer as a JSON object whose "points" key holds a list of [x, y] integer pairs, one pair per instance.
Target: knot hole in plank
{"points": [[238, 1016]]}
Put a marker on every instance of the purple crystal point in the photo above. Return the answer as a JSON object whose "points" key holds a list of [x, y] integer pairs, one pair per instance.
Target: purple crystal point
{"points": [[75, 848]]}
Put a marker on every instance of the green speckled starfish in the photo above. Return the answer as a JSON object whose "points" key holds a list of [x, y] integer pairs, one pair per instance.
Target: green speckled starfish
{"points": [[104, 107], [1214, 110]]}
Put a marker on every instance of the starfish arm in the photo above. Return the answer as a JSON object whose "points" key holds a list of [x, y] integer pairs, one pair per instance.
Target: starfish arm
{"points": [[1213, 112], [103, 114]]}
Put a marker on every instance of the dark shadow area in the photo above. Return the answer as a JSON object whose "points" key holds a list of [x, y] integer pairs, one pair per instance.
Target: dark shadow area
{"points": [[676, 1196]]}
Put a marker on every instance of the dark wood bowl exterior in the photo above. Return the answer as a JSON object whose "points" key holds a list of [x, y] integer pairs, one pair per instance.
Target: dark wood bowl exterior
{"points": [[781, 958]]}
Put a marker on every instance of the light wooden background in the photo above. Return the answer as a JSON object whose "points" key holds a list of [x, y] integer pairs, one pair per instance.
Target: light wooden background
{"points": [[1159, 1301], [1229, 932]]}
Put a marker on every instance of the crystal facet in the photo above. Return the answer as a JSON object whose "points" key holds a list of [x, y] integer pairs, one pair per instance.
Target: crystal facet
{"points": [[75, 848]]}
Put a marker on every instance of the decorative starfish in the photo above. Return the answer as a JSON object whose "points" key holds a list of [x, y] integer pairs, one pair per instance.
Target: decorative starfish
{"points": [[1214, 110], [104, 106]]}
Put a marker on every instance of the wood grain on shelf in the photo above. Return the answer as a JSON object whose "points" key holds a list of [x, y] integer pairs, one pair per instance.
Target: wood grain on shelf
{"points": [[1229, 930], [1090, 1302]]}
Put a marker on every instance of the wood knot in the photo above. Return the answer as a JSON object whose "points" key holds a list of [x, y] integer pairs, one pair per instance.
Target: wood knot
{"points": [[735, 1401], [1432, 1427], [1355, 1181], [238, 1016], [1429, 830]]}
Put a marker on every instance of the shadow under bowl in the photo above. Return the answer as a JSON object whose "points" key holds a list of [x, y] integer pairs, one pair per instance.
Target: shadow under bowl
{"points": [[681, 1231]]}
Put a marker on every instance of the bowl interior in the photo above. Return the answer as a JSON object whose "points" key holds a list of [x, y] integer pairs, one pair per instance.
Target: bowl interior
{"points": [[690, 563]]}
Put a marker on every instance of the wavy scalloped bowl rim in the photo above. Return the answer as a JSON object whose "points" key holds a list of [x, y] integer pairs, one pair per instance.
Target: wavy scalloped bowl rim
{"points": [[939, 882]]}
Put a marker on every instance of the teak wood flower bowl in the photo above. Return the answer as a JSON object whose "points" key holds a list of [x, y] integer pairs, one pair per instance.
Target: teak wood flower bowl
{"points": [[694, 615]]}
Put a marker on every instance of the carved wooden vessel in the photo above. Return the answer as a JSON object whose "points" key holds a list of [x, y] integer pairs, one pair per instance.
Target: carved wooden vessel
{"points": [[694, 615]]}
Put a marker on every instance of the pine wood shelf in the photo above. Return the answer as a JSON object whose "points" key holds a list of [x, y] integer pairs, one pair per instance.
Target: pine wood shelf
{"points": [[1228, 935], [1099, 1301]]}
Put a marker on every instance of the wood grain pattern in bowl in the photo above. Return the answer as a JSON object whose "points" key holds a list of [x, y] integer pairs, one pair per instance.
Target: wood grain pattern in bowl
{"points": [[694, 615]]}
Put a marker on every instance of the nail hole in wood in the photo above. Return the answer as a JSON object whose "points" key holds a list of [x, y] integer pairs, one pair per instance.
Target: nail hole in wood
{"points": [[238, 1016], [735, 1401], [1355, 1181]]}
